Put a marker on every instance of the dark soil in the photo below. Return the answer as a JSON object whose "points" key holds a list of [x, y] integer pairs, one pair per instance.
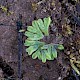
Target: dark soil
{"points": [[64, 29]]}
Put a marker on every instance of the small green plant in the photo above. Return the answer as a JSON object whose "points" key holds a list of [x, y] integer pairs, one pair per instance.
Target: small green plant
{"points": [[37, 48]]}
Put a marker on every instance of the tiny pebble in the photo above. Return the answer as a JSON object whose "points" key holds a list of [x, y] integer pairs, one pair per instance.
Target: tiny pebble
{"points": [[59, 78], [68, 52]]}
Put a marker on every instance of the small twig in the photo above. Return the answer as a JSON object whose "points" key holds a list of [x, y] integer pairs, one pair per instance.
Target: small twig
{"points": [[74, 67], [19, 27]]}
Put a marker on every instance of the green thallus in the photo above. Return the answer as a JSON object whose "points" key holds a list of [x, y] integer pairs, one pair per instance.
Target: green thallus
{"points": [[37, 48]]}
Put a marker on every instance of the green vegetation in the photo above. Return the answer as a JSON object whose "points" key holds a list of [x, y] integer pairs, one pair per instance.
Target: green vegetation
{"points": [[37, 48]]}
